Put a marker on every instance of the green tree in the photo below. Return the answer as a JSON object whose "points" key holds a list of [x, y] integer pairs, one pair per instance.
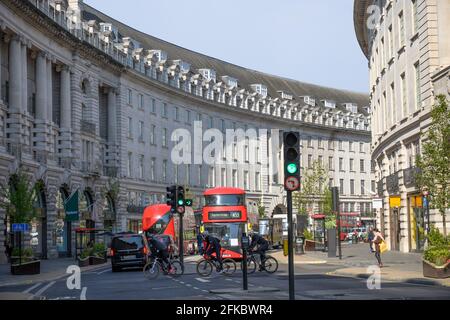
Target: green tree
{"points": [[314, 189], [434, 162], [18, 198]]}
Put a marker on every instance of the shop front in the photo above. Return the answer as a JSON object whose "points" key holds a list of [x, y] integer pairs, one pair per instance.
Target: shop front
{"points": [[38, 226], [62, 231], [86, 207], [416, 223], [394, 214]]}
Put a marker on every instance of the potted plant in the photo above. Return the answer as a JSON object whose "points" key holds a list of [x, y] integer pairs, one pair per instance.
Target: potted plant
{"points": [[436, 258], [84, 257], [98, 254], [18, 198]]}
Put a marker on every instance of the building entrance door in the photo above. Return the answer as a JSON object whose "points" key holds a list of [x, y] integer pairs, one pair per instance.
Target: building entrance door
{"points": [[395, 229]]}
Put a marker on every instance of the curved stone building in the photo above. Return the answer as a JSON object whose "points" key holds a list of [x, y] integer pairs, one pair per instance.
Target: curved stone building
{"points": [[407, 43], [90, 104]]}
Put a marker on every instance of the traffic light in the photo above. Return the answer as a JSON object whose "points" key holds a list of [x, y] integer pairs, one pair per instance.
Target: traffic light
{"points": [[187, 200], [291, 143], [172, 197], [180, 199]]}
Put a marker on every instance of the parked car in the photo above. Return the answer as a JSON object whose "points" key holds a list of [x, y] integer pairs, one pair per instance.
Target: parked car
{"points": [[128, 250]]}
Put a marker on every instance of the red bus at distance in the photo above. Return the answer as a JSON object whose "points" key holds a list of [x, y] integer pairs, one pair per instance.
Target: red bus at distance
{"points": [[349, 221], [157, 219], [224, 216]]}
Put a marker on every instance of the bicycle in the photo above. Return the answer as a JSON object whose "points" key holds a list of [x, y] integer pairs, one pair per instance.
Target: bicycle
{"points": [[206, 265], [270, 264], [155, 265]]}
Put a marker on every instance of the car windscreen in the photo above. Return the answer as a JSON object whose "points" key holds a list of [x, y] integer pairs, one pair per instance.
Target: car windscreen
{"points": [[127, 243]]}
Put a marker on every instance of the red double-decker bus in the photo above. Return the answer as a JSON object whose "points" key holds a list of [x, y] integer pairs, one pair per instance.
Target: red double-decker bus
{"points": [[157, 219], [224, 216], [349, 221]]}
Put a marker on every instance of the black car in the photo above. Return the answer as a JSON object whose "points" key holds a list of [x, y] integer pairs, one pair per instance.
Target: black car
{"points": [[128, 250]]}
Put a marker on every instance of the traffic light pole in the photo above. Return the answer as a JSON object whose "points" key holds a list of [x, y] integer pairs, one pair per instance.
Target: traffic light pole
{"points": [[181, 248], [290, 247]]}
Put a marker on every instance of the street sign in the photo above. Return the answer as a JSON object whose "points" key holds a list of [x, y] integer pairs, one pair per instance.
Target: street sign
{"points": [[292, 183], [377, 203], [20, 227]]}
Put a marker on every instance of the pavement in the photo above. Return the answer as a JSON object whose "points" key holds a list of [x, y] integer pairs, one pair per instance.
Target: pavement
{"points": [[51, 270], [317, 277]]}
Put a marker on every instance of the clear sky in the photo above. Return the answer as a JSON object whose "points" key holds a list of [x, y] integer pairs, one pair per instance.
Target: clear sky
{"points": [[308, 40]]}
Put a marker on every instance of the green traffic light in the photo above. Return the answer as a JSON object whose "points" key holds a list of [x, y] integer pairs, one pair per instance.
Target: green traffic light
{"points": [[292, 168], [189, 202], [180, 202]]}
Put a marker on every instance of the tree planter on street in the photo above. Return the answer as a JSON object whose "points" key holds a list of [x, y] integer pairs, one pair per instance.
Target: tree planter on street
{"points": [[26, 268], [95, 260], [83, 262], [430, 270]]}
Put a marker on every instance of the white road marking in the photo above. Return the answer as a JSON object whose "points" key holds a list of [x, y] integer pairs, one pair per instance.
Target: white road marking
{"points": [[181, 282], [205, 290], [196, 288], [103, 271], [229, 279], [83, 293], [42, 290], [202, 280], [31, 288], [188, 285]]}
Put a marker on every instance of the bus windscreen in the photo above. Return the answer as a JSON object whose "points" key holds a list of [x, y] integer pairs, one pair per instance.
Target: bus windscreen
{"points": [[225, 200]]}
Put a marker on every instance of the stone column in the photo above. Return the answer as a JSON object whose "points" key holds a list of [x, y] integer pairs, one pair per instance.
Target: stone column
{"points": [[15, 74], [1, 50], [112, 116], [66, 118], [49, 91], [41, 87], [66, 112], [24, 79]]}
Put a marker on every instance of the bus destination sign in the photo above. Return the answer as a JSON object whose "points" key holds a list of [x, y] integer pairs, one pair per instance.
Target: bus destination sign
{"points": [[224, 215]]}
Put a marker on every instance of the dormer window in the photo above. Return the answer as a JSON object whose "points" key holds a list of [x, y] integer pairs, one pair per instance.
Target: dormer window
{"points": [[352, 107], [208, 74], [230, 82], [309, 100], [159, 54], [184, 66], [329, 104], [260, 89], [285, 95]]}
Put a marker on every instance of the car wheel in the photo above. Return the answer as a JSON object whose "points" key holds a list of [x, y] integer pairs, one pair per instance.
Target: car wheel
{"points": [[115, 269]]}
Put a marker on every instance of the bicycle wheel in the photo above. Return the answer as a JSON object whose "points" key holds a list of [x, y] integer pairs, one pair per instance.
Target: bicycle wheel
{"points": [[151, 270], [229, 267], [251, 265], [204, 268], [178, 267], [270, 264]]}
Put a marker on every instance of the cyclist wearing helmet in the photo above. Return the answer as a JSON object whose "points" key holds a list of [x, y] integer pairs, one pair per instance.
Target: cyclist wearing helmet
{"points": [[261, 244], [213, 245], [160, 250]]}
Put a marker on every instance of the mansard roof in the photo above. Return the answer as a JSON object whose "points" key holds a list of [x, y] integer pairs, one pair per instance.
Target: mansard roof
{"points": [[246, 77]]}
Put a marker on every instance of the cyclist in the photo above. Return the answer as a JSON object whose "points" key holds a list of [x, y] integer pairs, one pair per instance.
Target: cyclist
{"points": [[262, 246], [160, 250], [213, 245]]}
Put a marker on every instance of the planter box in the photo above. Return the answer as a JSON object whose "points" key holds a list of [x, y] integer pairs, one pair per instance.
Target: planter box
{"points": [[310, 245], [83, 262], [97, 260], [430, 270], [26, 268]]}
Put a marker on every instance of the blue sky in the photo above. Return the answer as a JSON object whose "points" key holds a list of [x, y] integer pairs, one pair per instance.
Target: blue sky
{"points": [[307, 40]]}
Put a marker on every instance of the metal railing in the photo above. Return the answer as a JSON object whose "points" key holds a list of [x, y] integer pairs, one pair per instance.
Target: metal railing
{"points": [[87, 127]]}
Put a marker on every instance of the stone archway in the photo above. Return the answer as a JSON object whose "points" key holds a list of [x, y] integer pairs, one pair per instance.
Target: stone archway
{"points": [[39, 225]]}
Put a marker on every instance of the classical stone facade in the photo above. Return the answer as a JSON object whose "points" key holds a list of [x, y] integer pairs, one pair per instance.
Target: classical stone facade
{"points": [[89, 104], [408, 50]]}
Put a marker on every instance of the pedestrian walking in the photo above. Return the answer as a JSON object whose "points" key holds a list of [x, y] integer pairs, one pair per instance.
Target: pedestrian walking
{"points": [[378, 239], [370, 237]]}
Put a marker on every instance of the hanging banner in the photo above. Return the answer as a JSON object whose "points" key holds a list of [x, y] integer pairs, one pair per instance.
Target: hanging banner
{"points": [[71, 207]]}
